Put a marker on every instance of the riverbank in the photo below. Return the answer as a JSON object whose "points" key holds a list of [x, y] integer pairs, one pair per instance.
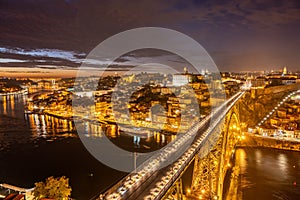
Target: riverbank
{"points": [[22, 92], [126, 127], [254, 140]]}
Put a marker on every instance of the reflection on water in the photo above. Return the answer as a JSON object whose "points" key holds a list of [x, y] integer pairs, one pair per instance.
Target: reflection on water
{"points": [[140, 143], [47, 125], [52, 128], [268, 174], [283, 165], [17, 127], [258, 157], [4, 104]]}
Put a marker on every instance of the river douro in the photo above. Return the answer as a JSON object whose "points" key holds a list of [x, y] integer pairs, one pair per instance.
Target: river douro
{"points": [[267, 174]]}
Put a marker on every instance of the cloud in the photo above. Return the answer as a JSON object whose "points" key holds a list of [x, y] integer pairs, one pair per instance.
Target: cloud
{"points": [[58, 30], [9, 60], [249, 13], [48, 53]]}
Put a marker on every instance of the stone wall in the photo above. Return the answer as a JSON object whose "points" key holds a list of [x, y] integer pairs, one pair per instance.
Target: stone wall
{"points": [[257, 103], [253, 140], [281, 88]]}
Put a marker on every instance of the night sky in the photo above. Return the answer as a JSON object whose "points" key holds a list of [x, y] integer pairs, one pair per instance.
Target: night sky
{"points": [[239, 35]]}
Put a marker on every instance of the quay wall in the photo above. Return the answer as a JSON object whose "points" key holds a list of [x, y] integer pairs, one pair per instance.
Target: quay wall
{"points": [[254, 140]]}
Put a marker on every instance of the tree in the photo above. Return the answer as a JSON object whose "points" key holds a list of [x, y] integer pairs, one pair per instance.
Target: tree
{"points": [[53, 188]]}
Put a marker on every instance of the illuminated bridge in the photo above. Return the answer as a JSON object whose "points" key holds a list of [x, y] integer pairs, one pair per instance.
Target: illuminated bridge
{"points": [[209, 155]]}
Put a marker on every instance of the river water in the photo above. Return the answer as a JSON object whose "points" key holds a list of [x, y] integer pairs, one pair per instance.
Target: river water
{"points": [[34, 147], [268, 174]]}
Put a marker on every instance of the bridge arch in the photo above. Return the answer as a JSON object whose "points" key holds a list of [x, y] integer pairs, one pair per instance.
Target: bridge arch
{"points": [[210, 171], [231, 136]]}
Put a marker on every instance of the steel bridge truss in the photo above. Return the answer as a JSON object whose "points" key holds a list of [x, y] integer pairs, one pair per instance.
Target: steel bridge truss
{"points": [[210, 169]]}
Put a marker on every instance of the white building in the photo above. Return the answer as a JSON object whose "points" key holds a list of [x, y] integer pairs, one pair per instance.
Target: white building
{"points": [[182, 79]]}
